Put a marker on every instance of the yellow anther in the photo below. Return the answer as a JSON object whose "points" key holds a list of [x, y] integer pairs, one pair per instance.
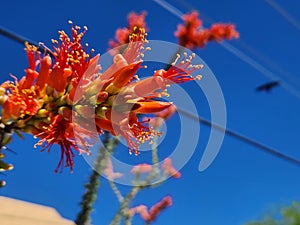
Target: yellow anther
{"points": [[199, 77]]}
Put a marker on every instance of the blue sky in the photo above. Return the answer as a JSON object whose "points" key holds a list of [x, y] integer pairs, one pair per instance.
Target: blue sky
{"points": [[243, 182]]}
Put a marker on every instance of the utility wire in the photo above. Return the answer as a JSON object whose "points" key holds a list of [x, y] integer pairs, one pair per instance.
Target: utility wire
{"points": [[259, 67], [22, 40], [240, 137], [284, 14], [170, 8], [199, 119]]}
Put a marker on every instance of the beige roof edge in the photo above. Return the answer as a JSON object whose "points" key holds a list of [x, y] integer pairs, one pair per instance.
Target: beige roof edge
{"points": [[14, 210]]}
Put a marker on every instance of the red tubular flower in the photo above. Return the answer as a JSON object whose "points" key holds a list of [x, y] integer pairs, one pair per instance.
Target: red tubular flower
{"points": [[37, 104], [71, 56], [19, 102], [27, 81], [135, 22], [166, 113], [192, 20], [136, 133], [44, 72], [88, 76], [105, 124], [168, 168], [61, 132], [59, 78], [109, 171], [220, 31], [180, 72], [92, 68], [151, 215], [141, 209], [192, 35], [161, 116], [11, 109], [187, 33], [150, 107], [141, 168], [122, 77], [158, 207], [22, 97], [135, 49], [148, 86], [129, 98], [32, 55], [121, 36], [118, 63], [128, 126]]}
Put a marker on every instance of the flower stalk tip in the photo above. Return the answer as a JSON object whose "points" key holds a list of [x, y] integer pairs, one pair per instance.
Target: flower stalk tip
{"points": [[191, 33]]}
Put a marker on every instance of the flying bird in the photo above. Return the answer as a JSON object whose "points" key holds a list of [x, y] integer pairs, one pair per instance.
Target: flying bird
{"points": [[268, 86]]}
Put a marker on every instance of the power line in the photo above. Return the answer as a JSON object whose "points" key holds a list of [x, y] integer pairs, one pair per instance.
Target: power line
{"points": [[267, 61], [22, 40], [259, 67], [240, 137], [170, 8], [284, 14]]}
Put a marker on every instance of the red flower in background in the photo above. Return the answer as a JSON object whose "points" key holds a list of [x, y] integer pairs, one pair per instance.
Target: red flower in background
{"points": [[158, 208], [169, 170], [192, 35], [135, 22], [141, 168], [221, 31], [151, 215]]}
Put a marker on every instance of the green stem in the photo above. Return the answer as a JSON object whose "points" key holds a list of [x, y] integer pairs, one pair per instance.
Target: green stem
{"points": [[124, 205], [155, 160], [88, 199], [116, 191], [127, 220]]}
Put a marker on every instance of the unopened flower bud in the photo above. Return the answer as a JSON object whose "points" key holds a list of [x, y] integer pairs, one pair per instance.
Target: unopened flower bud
{"points": [[42, 113], [66, 112], [5, 166], [85, 110], [3, 99], [141, 168]]}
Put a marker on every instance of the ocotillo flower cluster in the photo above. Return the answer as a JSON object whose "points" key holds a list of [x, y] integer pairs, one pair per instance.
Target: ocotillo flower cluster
{"points": [[135, 22], [150, 215], [192, 35], [60, 92]]}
